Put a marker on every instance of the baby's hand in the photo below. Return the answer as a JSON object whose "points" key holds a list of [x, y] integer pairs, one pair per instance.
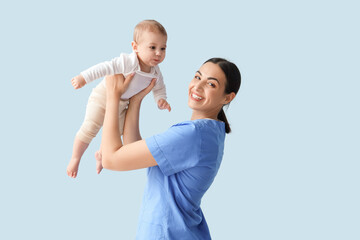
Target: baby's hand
{"points": [[78, 81], [163, 104]]}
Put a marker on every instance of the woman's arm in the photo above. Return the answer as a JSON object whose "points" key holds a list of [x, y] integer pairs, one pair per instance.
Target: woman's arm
{"points": [[131, 132], [115, 156], [131, 126]]}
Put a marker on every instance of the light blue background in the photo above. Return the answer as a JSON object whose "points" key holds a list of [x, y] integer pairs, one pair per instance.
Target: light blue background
{"points": [[291, 165]]}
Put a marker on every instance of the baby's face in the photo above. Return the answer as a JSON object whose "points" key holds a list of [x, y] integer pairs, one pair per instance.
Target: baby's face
{"points": [[151, 48]]}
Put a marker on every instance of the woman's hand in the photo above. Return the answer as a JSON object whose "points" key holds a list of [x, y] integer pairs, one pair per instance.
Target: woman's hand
{"points": [[116, 85], [139, 96]]}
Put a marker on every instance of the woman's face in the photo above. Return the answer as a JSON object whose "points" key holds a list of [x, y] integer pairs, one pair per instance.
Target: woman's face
{"points": [[207, 91]]}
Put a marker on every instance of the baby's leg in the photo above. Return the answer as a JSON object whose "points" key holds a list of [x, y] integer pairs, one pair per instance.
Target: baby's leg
{"points": [[78, 150], [93, 121]]}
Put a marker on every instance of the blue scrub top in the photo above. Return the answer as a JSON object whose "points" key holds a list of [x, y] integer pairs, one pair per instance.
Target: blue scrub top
{"points": [[188, 157]]}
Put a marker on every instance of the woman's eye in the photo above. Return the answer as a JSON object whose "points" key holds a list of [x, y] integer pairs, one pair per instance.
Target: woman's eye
{"points": [[197, 77], [211, 84]]}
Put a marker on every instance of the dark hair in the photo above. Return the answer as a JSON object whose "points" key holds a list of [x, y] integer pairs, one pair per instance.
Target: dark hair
{"points": [[233, 82]]}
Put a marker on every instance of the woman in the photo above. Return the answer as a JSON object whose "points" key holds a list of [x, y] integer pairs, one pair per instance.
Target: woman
{"points": [[183, 161]]}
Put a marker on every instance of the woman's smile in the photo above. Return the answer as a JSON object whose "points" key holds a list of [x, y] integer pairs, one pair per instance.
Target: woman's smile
{"points": [[196, 97]]}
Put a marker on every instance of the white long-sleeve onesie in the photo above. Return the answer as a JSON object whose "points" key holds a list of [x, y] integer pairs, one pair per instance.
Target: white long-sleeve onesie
{"points": [[95, 110], [127, 64]]}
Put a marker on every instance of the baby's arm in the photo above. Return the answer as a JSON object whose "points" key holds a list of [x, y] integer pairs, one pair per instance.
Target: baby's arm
{"points": [[114, 66], [159, 92]]}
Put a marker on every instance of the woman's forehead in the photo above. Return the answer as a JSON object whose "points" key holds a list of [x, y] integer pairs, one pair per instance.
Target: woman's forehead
{"points": [[212, 70]]}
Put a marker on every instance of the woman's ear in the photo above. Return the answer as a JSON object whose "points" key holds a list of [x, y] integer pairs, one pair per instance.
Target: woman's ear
{"points": [[229, 97], [134, 46]]}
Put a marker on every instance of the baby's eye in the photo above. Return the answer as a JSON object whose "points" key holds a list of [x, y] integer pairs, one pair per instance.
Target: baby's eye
{"points": [[163, 49], [152, 47]]}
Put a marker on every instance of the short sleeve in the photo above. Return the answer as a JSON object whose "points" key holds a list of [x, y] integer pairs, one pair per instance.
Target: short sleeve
{"points": [[176, 149]]}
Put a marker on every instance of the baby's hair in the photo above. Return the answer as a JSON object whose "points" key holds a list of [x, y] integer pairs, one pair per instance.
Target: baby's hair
{"points": [[148, 25]]}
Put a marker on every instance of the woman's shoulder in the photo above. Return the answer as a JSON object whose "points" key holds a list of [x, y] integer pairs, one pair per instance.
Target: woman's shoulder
{"points": [[182, 132], [201, 122], [203, 125], [185, 129], [205, 129]]}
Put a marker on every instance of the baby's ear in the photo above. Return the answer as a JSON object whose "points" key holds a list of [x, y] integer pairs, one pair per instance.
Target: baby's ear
{"points": [[134, 46]]}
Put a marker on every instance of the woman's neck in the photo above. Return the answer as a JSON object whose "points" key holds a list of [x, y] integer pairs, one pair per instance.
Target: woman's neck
{"points": [[198, 115]]}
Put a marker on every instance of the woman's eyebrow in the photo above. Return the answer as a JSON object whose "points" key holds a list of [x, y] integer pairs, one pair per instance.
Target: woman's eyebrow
{"points": [[209, 78], [212, 78]]}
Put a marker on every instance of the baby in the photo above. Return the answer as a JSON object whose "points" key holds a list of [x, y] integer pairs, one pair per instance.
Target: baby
{"points": [[149, 48]]}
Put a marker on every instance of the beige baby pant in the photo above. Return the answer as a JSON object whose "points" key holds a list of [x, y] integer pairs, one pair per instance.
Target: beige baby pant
{"points": [[95, 113]]}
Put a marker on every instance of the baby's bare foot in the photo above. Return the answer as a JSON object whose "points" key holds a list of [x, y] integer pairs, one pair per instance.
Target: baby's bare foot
{"points": [[98, 158], [72, 168]]}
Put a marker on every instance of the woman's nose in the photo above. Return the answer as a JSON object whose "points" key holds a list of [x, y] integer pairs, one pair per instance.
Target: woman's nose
{"points": [[199, 85]]}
